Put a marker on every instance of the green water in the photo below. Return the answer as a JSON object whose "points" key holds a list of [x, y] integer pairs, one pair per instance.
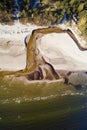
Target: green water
{"points": [[42, 106]]}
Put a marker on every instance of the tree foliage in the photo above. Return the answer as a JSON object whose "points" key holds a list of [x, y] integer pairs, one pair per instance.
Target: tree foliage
{"points": [[47, 12], [82, 22]]}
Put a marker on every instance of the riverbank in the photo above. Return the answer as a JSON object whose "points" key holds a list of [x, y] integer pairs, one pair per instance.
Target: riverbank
{"points": [[58, 49]]}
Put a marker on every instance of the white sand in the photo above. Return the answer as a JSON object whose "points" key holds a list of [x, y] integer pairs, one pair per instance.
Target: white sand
{"points": [[12, 47], [58, 49], [62, 52]]}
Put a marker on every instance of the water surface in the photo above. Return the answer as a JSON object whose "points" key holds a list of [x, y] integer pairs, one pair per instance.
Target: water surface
{"points": [[42, 106]]}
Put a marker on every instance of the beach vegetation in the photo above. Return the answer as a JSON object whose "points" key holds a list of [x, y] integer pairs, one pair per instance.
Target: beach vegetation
{"points": [[48, 12], [82, 22]]}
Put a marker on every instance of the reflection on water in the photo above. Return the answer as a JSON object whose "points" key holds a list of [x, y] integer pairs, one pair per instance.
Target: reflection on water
{"points": [[42, 106]]}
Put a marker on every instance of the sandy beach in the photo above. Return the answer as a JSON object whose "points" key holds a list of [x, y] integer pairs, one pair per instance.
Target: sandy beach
{"points": [[12, 47], [58, 49], [62, 52]]}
